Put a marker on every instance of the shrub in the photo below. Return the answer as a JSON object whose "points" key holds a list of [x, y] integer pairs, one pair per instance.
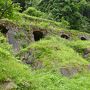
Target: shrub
{"points": [[34, 12]]}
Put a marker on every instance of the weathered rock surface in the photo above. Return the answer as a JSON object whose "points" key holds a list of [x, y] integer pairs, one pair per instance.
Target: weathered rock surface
{"points": [[15, 35], [8, 85], [84, 37], [20, 37], [71, 71], [86, 52], [68, 71]]}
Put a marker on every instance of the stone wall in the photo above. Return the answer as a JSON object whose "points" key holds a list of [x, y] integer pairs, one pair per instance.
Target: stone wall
{"points": [[19, 37], [15, 35]]}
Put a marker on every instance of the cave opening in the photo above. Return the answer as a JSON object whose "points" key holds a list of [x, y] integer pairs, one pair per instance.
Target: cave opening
{"points": [[83, 38], [38, 35], [65, 36], [3, 30]]}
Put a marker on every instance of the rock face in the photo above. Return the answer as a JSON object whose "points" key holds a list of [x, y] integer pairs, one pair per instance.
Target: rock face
{"points": [[86, 52], [8, 85], [71, 71], [68, 71], [16, 36], [21, 37]]}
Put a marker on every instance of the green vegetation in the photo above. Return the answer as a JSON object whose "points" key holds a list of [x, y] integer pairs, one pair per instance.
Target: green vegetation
{"points": [[52, 63], [33, 12], [10, 67], [75, 12], [8, 9], [53, 53]]}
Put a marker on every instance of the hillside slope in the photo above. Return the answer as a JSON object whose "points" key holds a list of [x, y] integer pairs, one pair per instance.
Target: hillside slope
{"points": [[41, 54], [51, 60]]}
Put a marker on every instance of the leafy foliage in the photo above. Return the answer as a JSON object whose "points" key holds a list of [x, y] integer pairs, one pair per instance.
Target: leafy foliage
{"points": [[76, 12], [34, 12], [50, 54], [7, 9]]}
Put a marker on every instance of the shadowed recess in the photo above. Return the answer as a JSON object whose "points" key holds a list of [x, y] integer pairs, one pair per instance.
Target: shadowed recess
{"points": [[65, 36], [38, 35], [83, 38], [3, 30]]}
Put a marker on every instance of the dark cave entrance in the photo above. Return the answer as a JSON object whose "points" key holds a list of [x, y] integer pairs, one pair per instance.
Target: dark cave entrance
{"points": [[38, 35], [3, 30], [83, 38], [65, 36]]}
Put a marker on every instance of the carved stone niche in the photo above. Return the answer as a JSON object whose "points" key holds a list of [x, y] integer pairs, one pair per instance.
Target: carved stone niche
{"points": [[3, 30], [38, 35], [84, 37], [65, 36]]}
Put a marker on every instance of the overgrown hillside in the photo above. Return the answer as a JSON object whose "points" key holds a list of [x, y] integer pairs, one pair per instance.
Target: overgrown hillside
{"points": [[41, 51]]}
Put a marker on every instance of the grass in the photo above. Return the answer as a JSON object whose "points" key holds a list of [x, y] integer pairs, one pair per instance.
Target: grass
{"points": [[10, 67], [54, 53], [49, 81], [49, 55]]}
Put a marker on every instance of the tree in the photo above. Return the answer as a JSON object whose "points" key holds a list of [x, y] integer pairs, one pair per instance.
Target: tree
{"points": [[21, 3], [75, 12], [7, 9]]}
